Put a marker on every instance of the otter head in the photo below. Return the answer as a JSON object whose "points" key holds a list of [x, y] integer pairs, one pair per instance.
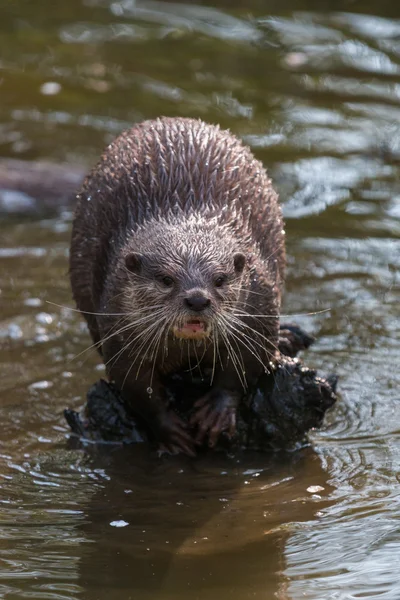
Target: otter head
{"points": [[190, 274]]}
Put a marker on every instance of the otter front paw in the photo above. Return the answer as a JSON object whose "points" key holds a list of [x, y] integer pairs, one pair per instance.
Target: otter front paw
{"points": [[215, 413], [173, 435]]}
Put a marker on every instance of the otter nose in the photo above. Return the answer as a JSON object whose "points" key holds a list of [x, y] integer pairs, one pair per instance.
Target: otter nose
{"points": [[197, 302]]}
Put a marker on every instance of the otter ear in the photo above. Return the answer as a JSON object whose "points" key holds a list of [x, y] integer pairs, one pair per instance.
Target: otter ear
{"points": [[239, 260], [133, 262]]}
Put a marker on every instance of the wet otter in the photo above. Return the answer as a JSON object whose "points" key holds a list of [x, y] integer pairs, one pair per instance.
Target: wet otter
{"points": [[177, 261]]}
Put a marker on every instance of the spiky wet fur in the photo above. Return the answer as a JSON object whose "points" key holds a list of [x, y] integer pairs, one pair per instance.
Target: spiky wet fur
{"points": [[186, 196]]}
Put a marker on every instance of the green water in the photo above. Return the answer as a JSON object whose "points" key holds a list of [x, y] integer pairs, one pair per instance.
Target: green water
{"points": [[314, 88]]}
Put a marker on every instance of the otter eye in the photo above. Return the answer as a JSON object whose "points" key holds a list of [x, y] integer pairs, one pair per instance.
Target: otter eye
{"points": [[219, 281], [167, 281]]}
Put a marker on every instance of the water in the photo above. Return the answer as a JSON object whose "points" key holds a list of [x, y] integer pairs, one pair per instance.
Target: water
{"points": [[314, 88]]}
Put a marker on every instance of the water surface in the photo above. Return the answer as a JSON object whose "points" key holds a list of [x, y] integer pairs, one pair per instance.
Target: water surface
{"points": [[314, 88]]}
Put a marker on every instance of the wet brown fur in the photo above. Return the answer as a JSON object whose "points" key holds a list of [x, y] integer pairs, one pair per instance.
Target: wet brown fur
{"points": [[187, 196]]}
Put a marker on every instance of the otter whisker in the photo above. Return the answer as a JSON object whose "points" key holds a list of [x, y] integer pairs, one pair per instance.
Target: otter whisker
{"points": [[317, 312], [144, 336], [85, 312], [277, 316], [255, 331], [111, 333], [96, 314], [224, 320], [245, 290], [172, 318], [269, 355], [233, 358], [163, 330], [206, 345], [246, 304], [98, 344], [232, 354], [148, 351], [241, 305], [238, 353], [215, 344], [253, 340], [198, 360], [114, 331], [111, 362], [268, 352], [246, 342], [130, 341], [155, 352], [242, 320], [237, 325], [190, 369], [144, 317], [149, 330], [219, 352]]}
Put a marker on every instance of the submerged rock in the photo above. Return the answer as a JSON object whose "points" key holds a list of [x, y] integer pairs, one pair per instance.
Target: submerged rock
{"points": [[37, 188]]}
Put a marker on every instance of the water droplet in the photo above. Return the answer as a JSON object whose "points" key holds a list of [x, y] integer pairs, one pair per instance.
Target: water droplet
{"points": [[44, 318], [50, 88], [32, 302], [40, 385], [15, 332], [120, 523], [312, 489], [149, 391]]}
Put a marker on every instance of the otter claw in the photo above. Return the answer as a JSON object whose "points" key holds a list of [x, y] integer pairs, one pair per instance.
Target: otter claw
{"points": [[175, 437], [173, 450], [214, 415]]}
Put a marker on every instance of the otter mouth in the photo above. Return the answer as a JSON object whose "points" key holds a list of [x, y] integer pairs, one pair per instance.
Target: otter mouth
{"points": [[195, 329]]}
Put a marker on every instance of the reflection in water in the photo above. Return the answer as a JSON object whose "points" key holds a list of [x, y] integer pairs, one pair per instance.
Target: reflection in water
{"points": [[117, 522], [315, 92], [192, 527]]}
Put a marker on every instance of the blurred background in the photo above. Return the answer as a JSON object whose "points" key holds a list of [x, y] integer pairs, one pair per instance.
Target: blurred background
{"points": [[314, 88]]}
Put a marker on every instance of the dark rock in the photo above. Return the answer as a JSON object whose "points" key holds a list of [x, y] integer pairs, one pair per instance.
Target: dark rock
{"points": [[285, 405], [292, 339], [277, 414], [105, 418]]}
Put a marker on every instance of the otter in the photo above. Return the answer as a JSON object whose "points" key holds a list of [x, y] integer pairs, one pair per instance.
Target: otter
{"points": [[177, 263]]}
